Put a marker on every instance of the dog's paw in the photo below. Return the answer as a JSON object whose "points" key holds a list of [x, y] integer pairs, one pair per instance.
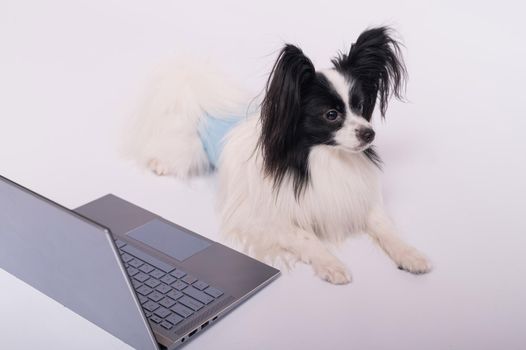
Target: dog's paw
{"points": [[158, 167], [183, 161], [413, 261], [333, 271]]}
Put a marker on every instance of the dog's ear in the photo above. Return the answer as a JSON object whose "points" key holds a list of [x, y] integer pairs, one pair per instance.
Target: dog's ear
{"points": [[281, 108], [376, 64]]}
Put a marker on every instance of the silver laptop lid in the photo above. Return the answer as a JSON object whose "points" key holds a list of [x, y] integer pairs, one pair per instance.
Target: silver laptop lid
{"points": [[70, 259]]}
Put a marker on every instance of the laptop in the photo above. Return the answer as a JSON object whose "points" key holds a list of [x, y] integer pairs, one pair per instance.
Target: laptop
{"points": [[147, 281]]}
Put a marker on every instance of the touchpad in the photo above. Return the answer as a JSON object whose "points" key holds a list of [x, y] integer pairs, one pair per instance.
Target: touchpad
{"points": [[169, 239]]}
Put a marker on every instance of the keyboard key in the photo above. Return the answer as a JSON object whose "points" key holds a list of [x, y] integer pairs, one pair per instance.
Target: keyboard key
{"points": [[216, 293], [156, 319], [126, 257], [146, 268], [152, 283], [155, 296], [162, 312], [148, 314], [135, 263], [157, 274], [174, 294], [136, 284], [168, 279], [179, 285], [142, 299], [166, 325], [132, 271], [178, 273], [189, 279], [197, 294], [141, 277], [150, 306], [148, 258], [200, 285], [119, 243], [144, 290], [163, 288], [191, 303], [174, 319], [182, 310], [167, 302]]}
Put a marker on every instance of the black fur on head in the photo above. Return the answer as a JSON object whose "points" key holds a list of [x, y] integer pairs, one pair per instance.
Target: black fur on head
{"points": [[376, 65], [281, 113]]}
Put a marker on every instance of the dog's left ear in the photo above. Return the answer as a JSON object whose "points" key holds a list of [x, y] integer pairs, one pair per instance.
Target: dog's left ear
{"points": [[376, 64]]}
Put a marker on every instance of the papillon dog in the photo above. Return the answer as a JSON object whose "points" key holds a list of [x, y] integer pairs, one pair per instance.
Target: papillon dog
{"points": [[299, 171]]}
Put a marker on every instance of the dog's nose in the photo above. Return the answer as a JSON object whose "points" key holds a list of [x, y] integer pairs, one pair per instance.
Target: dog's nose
{"points": [[366, 134]]}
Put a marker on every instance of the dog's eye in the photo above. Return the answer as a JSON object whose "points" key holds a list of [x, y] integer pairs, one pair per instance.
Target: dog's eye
{"points": [[332, 115]]}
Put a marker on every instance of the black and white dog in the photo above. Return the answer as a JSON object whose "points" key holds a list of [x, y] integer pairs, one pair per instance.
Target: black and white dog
{"points": [[300, 171]]}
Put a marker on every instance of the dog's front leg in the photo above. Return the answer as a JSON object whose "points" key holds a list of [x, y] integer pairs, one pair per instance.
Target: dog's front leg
{"points": [[408, 258], [308, 248]]}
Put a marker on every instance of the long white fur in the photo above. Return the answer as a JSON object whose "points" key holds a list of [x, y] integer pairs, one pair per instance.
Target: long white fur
{"points": [[164, 135], [344, 194]]}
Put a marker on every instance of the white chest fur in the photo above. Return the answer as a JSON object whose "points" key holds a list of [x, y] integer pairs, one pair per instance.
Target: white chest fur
{"points": [[343, 187]]}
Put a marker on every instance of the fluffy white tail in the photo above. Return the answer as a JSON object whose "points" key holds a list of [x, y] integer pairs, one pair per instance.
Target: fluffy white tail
{"points": [[165, 135]]}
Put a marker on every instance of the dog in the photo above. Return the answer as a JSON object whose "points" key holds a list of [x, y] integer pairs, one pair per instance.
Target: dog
{"points": [[297, 172]]}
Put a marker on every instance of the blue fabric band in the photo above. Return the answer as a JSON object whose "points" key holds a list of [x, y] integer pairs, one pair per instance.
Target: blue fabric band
{"points": [[212, 132]]}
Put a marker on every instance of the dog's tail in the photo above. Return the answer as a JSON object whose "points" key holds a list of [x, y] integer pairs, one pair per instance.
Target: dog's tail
{"points": [[165, 136]]}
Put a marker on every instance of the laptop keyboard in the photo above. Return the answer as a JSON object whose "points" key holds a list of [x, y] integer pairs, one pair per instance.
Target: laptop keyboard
{"points": [[168, 295]]}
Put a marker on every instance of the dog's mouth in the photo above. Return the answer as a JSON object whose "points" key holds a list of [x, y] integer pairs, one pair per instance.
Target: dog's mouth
{"points": [[364, 145], [357, 149]]}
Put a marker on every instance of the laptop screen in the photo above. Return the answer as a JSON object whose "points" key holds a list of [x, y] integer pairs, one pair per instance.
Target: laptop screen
{"points": [[70, 259]]}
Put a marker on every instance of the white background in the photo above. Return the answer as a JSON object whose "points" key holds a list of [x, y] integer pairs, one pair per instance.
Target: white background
{"points": [[455, 164]]}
